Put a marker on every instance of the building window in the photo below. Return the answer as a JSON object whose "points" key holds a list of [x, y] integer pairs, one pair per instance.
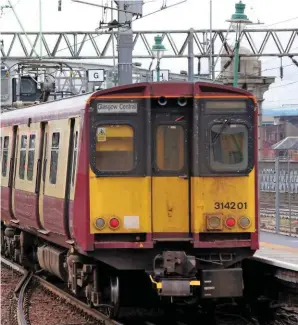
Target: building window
{"points": [[5, 155], [229, 147], [114, 148], [75, 151], [54, 157], [30, 164], [170, 149], [23, 152]]}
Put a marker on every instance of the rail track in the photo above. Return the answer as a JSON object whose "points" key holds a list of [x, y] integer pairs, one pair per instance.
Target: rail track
{"points": [[22, 287]]}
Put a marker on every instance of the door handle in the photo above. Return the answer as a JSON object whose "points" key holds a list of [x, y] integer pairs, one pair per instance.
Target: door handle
{"points": [[183, 176]]}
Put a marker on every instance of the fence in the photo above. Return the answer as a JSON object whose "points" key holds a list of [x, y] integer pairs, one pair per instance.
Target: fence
{"points": [[279, 209]]}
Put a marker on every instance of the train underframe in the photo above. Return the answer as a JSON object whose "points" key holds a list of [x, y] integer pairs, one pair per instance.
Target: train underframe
{"points": [[161, 275]]}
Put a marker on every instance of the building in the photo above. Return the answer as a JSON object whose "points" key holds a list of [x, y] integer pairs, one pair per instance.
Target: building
{"points": [[278, 124]]}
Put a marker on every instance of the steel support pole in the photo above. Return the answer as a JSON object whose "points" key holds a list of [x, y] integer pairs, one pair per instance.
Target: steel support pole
{"points": [[158, 70], [236, 63], [190, 56], [40, 28], [277, 216], [125, 46], [289, 194], [211, 58]]}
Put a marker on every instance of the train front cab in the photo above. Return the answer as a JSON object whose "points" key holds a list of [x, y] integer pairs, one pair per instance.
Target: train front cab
{"points": [[172, 174]]}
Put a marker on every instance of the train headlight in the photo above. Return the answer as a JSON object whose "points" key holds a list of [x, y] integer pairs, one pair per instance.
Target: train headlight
{"points": [[214, 222], [100, 223], [230, 222], [244, 222], [114, 223]]}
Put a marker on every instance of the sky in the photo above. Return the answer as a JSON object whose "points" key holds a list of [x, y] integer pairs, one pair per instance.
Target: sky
{"points": [[189, 14]]}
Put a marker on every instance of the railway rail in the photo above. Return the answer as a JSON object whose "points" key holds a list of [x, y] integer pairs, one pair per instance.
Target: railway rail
{"points": [[23, 285]]}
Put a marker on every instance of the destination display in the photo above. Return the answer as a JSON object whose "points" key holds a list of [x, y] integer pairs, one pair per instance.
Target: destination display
{"points": [[225, 106], [117, 108]]}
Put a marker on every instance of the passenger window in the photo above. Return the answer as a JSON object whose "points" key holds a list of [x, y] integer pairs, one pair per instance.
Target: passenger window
{"points": [[30, 165], [170, 151], [5, 155], [23, 152], [114, 148], [54, 157], [229, 147], [75, 151]]}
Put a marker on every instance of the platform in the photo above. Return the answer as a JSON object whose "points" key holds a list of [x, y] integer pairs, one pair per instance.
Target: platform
{"points": [[278, 250]]}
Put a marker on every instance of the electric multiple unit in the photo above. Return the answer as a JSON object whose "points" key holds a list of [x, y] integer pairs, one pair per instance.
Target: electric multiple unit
{"points": [[150, 183]]}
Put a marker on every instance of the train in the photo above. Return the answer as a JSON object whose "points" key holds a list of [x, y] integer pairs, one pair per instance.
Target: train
{"points": [[148, 185]]}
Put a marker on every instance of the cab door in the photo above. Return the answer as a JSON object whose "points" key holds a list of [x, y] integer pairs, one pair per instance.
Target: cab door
{"points": [[170, 176]]}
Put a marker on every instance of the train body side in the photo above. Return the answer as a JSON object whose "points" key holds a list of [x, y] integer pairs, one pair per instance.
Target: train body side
{"points": [[40, 154]]}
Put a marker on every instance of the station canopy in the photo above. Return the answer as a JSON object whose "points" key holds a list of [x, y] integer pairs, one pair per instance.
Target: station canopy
{"points": [[289, 143]]}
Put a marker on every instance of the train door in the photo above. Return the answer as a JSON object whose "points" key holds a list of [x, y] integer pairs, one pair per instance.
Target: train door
{"points": [[170, 176], [71, 173], [12, 167], [43, 171], [72, 169], [7, 164], [54, 184]]}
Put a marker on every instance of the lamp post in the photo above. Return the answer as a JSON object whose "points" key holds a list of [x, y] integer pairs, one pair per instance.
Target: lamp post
{"points": [[158, 50], [238, 21]]}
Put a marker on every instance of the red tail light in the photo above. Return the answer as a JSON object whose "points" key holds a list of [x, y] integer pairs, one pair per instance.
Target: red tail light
{"points": [[114, 223], [230, 222]]}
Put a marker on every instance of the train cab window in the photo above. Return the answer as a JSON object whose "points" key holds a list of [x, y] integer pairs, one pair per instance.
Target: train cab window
{"points": [[170, 151], [114, 148], [229, 147], [5, 155], [54, 157], [30, 164], [75, 151], [23, 153]]}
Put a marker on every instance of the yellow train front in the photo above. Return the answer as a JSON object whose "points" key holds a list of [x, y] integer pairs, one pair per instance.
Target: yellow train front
{"points": [[173, 184]]}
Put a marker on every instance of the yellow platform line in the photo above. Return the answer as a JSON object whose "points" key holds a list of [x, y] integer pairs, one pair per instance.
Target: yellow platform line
{"points": [[279, 247]]}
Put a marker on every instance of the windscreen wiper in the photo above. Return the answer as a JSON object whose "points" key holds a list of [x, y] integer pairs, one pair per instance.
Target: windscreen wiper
{"points": [[224, 125]]}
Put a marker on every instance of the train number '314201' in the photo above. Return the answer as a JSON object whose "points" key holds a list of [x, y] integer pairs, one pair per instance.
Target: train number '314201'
{"points": [[230, 205]]}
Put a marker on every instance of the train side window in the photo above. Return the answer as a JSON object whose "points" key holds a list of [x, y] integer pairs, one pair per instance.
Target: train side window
{"points": [[30, 164], [54, 157], [114, 148], [5, 155], [23, 153], [170, 148], [75, 152]]}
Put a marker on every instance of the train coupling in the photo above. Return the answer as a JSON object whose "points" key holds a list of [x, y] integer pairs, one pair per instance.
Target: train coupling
{"points": [[174, 274]]}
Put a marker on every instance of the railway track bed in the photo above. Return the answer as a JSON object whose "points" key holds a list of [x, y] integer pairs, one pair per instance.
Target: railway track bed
{"points": [[35, 301]]}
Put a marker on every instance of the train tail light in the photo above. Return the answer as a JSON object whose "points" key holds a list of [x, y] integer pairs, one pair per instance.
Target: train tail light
{"points": [[214, 222], [230, 222], [100, 223], [114, 223], [244, 222]]}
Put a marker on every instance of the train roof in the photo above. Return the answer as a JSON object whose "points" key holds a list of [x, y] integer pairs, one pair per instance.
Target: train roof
{"points": [[73, 106]]}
